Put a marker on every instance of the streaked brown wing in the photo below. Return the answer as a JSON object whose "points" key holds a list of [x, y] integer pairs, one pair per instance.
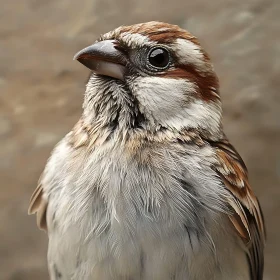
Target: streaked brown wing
{"points": [[247, 218]]}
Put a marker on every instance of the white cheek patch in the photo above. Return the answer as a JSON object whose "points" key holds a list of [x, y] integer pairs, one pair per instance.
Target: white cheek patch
{"points": [[160, 97], [170, 102], [189, 53]]}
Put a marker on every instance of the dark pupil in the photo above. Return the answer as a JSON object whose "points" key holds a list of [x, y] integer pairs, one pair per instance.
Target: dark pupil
{"points": [[159, 58]]}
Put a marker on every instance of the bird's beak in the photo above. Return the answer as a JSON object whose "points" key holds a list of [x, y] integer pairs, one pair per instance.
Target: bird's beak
{"points": [[104, 58]]}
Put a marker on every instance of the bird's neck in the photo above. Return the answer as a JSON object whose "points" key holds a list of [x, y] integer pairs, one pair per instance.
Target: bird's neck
{"points": [[109, 109]]}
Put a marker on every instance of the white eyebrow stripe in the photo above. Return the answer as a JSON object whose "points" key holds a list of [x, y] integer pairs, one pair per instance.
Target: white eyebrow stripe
{"points": [[135, 39], [164, 29]]}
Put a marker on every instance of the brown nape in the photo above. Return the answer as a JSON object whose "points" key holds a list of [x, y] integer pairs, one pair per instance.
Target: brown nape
{"points": [[207, 84]]}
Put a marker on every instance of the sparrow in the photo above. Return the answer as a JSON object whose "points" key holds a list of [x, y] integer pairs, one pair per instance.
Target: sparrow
{"points": [[147, 186]]}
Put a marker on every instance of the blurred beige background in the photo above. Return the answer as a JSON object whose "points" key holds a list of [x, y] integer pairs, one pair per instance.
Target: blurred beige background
{"points": [[41, 91]]}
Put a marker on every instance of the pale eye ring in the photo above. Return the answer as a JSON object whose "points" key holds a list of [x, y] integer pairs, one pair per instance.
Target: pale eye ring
{"points": [[159, 58]]}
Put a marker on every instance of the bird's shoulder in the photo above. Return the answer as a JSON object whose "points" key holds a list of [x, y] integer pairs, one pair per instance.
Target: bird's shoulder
{"points": [[246, 218], [66, 150]]}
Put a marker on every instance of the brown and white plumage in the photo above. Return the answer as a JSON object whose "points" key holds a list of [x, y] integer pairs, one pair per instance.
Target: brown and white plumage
{"points": [[149, 151], [247, 218]]}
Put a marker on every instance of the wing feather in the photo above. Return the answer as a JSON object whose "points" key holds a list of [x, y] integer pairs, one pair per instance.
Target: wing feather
{"points": [[78, 137], [247, 218], [38, 204]]}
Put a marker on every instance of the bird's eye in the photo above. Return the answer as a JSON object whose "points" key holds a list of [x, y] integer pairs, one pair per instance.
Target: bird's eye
{"points": [[159, 58]]}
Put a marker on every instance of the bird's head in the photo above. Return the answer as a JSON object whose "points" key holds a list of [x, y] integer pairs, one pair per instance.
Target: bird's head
{"points": [[151, 75]]}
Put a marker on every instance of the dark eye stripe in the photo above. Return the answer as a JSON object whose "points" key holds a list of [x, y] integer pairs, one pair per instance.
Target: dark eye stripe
{"points": [[208, 85]]}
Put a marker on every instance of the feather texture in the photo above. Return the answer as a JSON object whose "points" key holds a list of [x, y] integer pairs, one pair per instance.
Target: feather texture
{"points": [[247, 217], [38, 205], [146, 186]]}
